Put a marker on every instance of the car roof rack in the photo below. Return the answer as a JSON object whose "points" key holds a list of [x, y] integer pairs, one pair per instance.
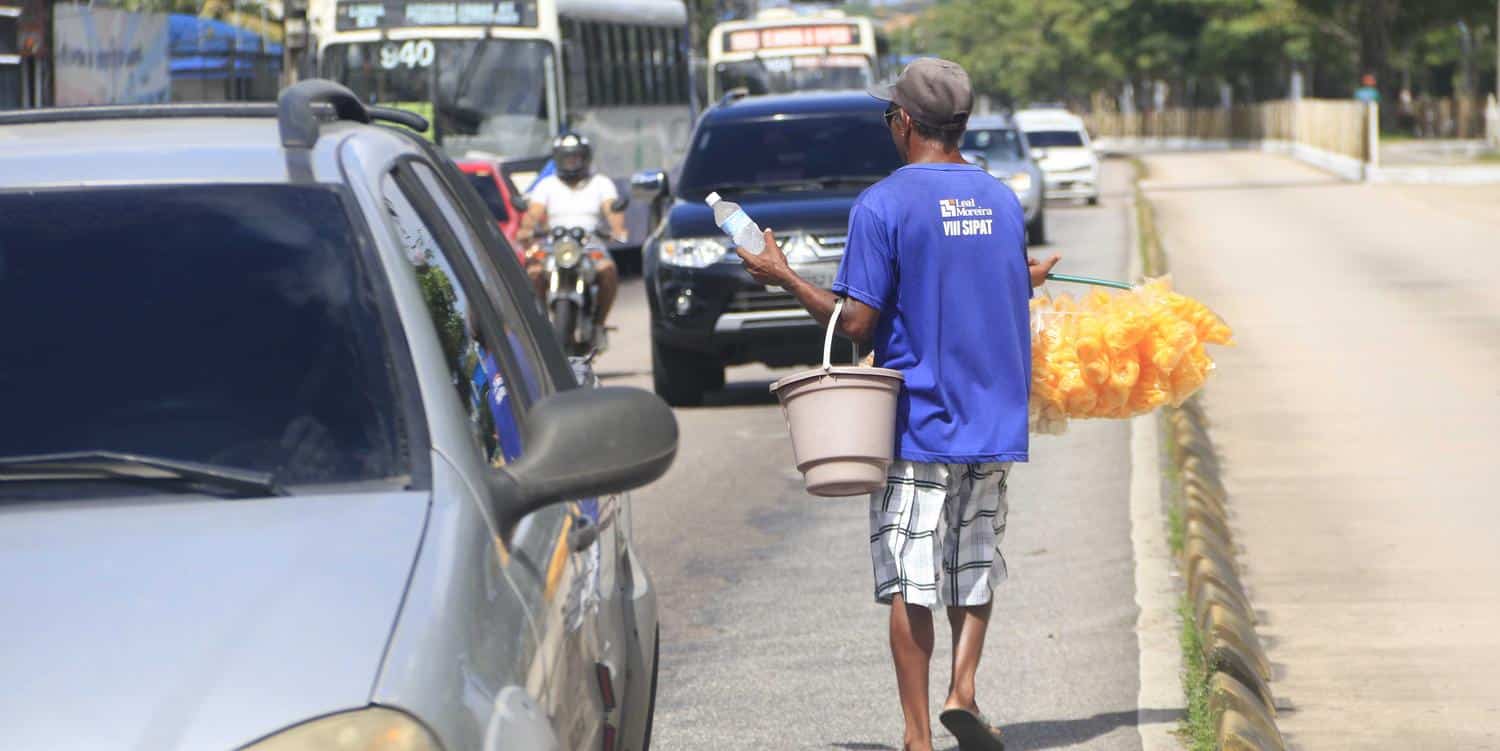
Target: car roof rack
{"points": [[299, 110], [299, 122]]}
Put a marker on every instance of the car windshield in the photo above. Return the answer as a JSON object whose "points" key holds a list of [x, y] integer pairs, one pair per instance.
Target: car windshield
{"points": [[481, 94], [484, 183], [1047, 139], [781, 75], [789, 154], [225, 325], [997, 144]]}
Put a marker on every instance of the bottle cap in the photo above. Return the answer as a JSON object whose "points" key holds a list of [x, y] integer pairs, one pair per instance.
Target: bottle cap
{"points": [[713, 198]]}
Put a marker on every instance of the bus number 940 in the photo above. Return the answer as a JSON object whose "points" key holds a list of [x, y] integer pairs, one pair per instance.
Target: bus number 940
{"points": [[412, 54]]}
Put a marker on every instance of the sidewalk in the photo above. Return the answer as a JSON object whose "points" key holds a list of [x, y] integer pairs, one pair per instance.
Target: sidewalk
{"points": [[1359, 420]]}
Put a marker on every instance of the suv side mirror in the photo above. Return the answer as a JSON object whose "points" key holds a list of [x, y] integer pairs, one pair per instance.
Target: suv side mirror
{"points": [[520, 202], [1038, 153], [586, 442], [649, 183]]}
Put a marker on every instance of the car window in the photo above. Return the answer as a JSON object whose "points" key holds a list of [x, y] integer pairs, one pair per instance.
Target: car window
{"points": [[520, 348], [225, 324], [498, 364], [489, 190], [1050, 138], [997, 144], [453, 317], [796, 153]]}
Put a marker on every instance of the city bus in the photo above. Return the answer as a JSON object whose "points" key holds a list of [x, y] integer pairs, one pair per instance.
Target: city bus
{"points": [[500, 79], [781, 50]]}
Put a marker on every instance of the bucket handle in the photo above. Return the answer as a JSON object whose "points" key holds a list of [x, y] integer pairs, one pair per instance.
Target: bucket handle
{"points": [[833, 325]]}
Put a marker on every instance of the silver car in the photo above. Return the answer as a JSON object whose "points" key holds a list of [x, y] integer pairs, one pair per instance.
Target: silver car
{"points": [[288, 457], [1007, 156]]}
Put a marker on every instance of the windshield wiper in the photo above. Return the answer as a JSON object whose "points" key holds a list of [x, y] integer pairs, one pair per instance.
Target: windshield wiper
{"points": [[116, 465]]}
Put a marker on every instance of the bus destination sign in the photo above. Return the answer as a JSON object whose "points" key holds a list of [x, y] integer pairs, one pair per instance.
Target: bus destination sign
{"points": [[819, 35], [354, 15]]}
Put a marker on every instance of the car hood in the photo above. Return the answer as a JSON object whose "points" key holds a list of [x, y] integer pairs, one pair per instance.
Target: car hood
{"points": [[823, 210], [1064, 158], [195, 623]]}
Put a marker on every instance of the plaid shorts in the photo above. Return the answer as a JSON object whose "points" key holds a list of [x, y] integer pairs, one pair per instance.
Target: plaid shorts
{"points": [[926, 513]]}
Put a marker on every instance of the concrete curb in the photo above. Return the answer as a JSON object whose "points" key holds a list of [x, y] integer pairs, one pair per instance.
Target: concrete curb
{"points": [[1241, 680], [1240, 684]]}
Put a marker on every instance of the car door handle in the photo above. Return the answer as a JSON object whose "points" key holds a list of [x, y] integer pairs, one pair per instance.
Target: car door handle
{"points": [[583, 533]]}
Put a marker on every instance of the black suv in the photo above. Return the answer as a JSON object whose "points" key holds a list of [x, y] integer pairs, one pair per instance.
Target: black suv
{"points": [[796, 163]]}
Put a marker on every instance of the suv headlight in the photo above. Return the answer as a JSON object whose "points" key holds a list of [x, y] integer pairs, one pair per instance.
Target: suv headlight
{"points": [[1019, 182], [372, 729], [692, 252]]}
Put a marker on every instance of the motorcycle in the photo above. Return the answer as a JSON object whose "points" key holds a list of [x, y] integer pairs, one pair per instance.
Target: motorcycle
{"points": [[572, 288]]}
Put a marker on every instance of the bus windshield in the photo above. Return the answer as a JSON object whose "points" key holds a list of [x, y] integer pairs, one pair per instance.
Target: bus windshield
{"points": [[481, 94], [780, 75]]}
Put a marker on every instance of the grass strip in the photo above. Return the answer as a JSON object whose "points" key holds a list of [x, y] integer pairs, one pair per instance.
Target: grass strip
{"points": [[1199, 729]]}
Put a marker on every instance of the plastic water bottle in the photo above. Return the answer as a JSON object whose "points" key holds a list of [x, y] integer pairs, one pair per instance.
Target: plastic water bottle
{"points": [[737, 224]]}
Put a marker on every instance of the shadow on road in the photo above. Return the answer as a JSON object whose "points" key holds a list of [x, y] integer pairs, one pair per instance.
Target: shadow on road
{"points": [[1045, 734], [741, 394]]}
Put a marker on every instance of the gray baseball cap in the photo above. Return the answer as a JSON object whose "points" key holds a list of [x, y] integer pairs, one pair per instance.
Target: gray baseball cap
{"points": [[935, 92]]}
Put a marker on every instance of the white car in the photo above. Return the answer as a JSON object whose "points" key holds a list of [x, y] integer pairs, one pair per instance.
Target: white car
{"points": [[1060, 144]]}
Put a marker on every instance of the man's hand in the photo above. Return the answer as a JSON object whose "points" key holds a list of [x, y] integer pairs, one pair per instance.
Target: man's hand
{"points": [[1040, 269], [770, 267]]}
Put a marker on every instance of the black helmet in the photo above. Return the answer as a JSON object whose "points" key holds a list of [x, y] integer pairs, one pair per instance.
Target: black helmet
{"points": [[573, 156]]}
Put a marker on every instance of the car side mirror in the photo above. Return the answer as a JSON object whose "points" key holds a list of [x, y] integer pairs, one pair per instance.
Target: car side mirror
{"points": [[586, 442], [1038, 154], [620, 204], [978, 158], [650, 183], [520, 202]]}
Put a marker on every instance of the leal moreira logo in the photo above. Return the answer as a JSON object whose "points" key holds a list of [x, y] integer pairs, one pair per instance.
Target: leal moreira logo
{"points": [[956, 207]]}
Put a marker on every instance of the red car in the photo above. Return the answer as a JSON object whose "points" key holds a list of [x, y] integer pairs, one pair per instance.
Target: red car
{"points": [[498, 193]]}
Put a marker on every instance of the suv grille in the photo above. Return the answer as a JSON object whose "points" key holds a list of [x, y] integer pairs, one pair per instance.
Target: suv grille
{"points": [[754, 301], [833, 242]]}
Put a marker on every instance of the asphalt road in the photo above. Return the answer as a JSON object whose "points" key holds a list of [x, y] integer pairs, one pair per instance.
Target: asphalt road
{"points": [[1357, 419], [770, 635]]}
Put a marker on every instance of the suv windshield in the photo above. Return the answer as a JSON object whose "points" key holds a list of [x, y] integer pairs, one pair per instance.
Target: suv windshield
{"points": [[488, 94], [225, 325], [997, 144], [795, 153], [780, 75], [1047, 139]]}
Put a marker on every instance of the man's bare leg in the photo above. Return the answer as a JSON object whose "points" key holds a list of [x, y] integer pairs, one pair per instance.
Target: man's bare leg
{"points": [[609, 285], [969, 625], [911, 650]]}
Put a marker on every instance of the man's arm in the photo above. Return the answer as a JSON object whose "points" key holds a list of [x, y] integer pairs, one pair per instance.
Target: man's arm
{"points": [[535, 216], [616, 220], [857, 321], [1040, 269]]}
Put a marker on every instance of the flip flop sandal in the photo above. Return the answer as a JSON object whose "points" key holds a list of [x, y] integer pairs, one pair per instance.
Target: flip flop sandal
{"points": [[973, 731]]}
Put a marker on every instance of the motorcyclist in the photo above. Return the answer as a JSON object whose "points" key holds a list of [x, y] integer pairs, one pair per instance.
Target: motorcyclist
{"points": [[574, 196]]}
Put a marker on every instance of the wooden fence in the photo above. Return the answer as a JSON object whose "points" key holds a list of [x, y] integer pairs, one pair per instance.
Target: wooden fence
{"points": [[1448, 117], [1337, 126]]}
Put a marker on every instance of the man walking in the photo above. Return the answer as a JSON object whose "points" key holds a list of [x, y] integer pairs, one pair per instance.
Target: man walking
{"points": [[935, 276]]}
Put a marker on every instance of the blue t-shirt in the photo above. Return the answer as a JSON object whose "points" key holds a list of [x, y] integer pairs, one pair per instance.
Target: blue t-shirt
{"points": [[940, 251]]}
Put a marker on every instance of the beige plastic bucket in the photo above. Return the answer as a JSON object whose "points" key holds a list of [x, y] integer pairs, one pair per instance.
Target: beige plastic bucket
{"points": [[843, 422]]}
